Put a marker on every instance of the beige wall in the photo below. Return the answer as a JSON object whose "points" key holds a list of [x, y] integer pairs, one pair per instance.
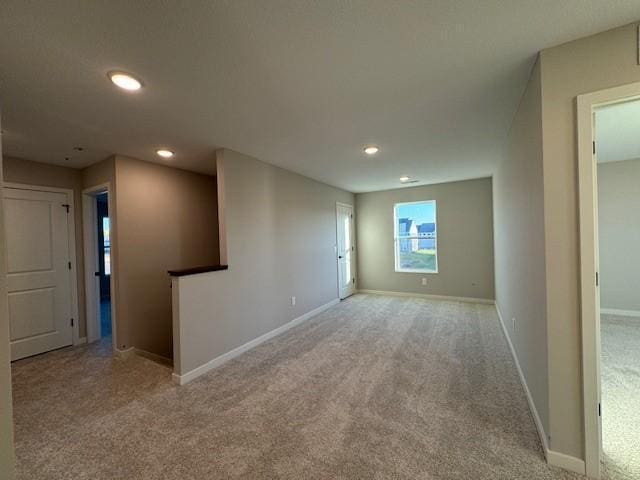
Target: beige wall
{"points": [[169, 221], [590, 64], [6, 416], [619, 232], [281, 235], [166, 220], [465, 240], [34, 173], [519, 244]]}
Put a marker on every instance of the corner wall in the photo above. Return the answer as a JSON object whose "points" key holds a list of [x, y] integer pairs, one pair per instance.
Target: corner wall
{"points": [[594, 63], [92, 176], [519, 246], [465, 240], [281, 237], [166, 219]]}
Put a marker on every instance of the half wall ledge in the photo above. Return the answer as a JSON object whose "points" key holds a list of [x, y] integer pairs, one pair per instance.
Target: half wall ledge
{"points": [[196, 270]]}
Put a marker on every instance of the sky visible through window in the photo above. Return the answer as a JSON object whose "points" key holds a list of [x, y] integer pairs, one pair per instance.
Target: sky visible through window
{"points": [[416, 249], [418, 212]]}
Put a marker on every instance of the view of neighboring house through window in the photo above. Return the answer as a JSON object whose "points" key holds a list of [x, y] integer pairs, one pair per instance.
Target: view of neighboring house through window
{"points": [[107, 246], [415, 237]]}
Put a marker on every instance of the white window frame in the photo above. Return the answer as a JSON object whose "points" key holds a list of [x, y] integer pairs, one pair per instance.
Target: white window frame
{"points": [[396, 252]]}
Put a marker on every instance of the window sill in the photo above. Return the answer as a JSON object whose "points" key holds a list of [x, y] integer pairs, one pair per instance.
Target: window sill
{"points": [[407, 270]]}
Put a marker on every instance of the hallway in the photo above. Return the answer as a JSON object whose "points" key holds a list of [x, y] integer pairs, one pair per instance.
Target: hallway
{"points": [[376, 387]]}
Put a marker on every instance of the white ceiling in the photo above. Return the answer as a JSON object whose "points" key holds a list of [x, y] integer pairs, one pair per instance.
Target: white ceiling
{"points": [[301, 84], [618, 132]]}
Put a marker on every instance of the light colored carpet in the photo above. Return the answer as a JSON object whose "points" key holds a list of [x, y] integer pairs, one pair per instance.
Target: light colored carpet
{"points": [[374, 388], [620, 397]]}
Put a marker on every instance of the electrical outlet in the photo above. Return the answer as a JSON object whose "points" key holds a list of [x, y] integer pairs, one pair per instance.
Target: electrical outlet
{"points": [[293, 301], [424, 280], [513, 321]]}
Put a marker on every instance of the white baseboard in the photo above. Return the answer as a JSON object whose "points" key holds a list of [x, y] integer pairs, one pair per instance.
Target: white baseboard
{"points": [[567, 462], [532, 406], [225, 357], [622, 313], [430, 297], [556, 459], [131, 351], [81, 341], [153, 356], [126, 353]]}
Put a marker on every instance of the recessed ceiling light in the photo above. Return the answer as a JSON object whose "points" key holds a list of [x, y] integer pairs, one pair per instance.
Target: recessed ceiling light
{"points": [[164, 153], [371, 150], [125, 81], [404, 178]]}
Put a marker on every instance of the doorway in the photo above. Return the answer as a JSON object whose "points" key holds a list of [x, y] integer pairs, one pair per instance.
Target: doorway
{"points": [[609, 172], [103, 229], [98, 243], [345, 250]]}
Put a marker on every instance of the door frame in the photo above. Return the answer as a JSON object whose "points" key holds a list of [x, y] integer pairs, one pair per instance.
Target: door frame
{"points": [[91, 261], [353, 252], [71, 233], [589, 290]]}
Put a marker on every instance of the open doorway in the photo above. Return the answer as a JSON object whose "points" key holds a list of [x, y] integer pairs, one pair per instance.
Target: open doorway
{"points": [[103, 228], [617, 133], [98, 264], [609, 173]]}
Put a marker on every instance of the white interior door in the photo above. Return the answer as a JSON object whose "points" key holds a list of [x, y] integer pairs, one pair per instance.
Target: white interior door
{"points": [[38, 273], [346, 249]]}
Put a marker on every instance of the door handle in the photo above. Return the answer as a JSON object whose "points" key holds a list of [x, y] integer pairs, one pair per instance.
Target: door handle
{"points": [[339, 256]]}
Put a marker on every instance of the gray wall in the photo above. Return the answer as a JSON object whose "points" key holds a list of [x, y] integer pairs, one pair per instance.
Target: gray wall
{"points": [[619, 232], [594, 63], [281, 236], [6, 416], [519, 244], [465, 240]]}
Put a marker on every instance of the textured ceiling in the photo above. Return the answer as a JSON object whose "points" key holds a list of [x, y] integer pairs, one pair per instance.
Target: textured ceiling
{"points": [[618, 132], [301, 84]]}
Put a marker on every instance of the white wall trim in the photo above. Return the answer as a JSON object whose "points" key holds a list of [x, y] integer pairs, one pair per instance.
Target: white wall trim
{"points": [[154, 357], [133, 351], [622, 313], [589, 264], [126, 353], [532, 406], [554, 458], [486, 301], [567, 462], [225, 357], [90, 262]]}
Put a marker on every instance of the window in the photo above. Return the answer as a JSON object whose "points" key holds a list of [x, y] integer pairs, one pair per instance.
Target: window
{"points": [[416, 242], [107, 245]]}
